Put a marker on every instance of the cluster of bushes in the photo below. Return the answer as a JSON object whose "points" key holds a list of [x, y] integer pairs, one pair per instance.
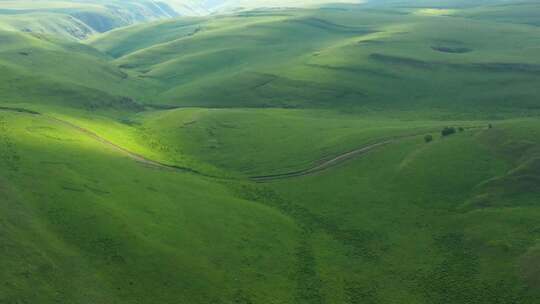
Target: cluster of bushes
{"points": [[446, 132]]}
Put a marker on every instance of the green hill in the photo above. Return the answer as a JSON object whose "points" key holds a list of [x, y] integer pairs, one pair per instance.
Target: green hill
{"points": [[333, 58], [82, 234], [81, 19], [43, 70], [271, 155]]}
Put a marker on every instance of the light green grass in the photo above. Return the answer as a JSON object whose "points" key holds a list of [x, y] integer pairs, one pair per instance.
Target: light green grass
{"points": [[92, 225], [258, 142], [334, 58], [452, 221], [81, 19], [45, 70]]}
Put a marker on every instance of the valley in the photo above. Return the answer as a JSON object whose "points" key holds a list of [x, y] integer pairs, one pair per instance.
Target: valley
{"points": [[269, 152]]}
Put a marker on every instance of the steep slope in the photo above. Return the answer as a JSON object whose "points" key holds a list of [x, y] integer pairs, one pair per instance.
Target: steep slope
{"points": [[43, 70], [99, 227], [124, 41], [81, 19]]}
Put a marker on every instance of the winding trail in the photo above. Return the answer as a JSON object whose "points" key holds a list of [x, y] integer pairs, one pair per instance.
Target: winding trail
{"points": [[135, 156], [322, 165], [130, 154], [327, 164], [335, 161]]}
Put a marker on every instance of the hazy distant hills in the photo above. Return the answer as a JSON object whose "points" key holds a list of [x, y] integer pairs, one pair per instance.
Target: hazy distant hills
{"points": [[80, 19]]}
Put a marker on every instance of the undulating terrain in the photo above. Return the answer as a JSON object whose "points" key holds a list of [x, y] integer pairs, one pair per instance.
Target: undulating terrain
{"points": [[185, 151]]}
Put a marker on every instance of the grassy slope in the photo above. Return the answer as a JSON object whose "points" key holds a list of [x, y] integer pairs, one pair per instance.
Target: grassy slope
{"points": [[270, 141], [448, 222], [51, 23], [80, 19], [520, 12], [98, 227], [128, 40], [43, 70], [345, 58], [453, 221]]}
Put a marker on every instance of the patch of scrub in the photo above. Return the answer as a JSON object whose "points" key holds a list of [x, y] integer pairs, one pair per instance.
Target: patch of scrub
{"points": [[453, 50], [530, 266]]}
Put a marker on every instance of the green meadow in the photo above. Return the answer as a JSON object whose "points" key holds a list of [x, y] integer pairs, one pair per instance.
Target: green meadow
{"points": [[235, 152]]}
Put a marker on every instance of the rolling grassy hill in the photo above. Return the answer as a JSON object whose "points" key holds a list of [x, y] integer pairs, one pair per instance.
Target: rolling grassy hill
{"points": [[43, 70], [81, 19], [83, 234], [426, 219], [345, 58], [273, 156]]}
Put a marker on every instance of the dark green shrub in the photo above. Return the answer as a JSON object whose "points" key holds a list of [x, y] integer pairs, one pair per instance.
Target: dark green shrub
{"points": [[460, 129], [448, 131], [428, 138]]}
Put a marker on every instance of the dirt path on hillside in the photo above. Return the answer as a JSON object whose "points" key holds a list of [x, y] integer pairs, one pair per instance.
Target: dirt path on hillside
{"points": [[322, 165], [325, 165], [135, 156], [132, 155]]}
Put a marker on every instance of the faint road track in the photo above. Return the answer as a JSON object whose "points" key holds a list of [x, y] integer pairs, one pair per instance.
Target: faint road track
{"points": [[321, 166]]}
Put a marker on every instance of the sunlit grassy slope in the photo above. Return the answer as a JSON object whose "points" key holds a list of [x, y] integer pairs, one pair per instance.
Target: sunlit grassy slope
{"points": [[82, 223], [112, 192], [264, 138]]}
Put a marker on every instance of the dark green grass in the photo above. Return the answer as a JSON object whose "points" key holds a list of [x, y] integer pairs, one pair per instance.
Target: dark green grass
{"points": [[408, 228]]}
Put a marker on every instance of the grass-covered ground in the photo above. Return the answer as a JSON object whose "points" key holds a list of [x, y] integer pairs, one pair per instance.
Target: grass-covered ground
{"points": [[435, 223], [82, 223], [454, 216], [335, 58], [127, 161], [273, 140]]}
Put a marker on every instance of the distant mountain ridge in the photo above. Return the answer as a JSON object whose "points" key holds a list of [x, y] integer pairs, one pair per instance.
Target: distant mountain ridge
{"points": [[80, 19]]}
